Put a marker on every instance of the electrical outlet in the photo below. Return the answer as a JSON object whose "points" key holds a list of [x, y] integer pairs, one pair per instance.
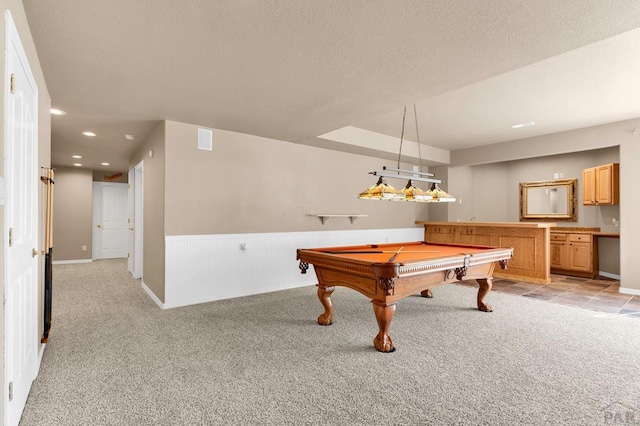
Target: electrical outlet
{"points": [[84, 248]]}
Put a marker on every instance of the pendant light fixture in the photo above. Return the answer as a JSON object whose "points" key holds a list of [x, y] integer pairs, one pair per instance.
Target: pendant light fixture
{"points": [[383, 191], [438, 195]]}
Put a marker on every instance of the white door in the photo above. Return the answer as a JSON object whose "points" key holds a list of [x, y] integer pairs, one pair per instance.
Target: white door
{"points": [[21, 226], [110, 229], [130, 220]]}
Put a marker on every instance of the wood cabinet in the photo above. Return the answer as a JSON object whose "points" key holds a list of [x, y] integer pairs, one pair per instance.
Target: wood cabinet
{"points": [[558, 251], [574, 254], [530, 243], [600, 185]]}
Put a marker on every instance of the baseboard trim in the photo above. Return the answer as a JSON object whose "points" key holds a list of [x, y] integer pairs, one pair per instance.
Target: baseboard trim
{"points": [[67, 262], [632, 291], [200, 301], [152, 295], [40, 354], [609, 275]]}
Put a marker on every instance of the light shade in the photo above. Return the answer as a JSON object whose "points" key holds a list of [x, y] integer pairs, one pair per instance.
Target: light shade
{"points": [[412, 193], [439, 195], [381, 191]]}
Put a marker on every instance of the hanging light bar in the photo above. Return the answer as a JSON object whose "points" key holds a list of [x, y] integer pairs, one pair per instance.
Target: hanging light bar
{"points": [[405, 176], [384, 191], [415, 172]]}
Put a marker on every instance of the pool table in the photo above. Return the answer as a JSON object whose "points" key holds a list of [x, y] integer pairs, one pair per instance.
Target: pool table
{"points": [[386, 273]]}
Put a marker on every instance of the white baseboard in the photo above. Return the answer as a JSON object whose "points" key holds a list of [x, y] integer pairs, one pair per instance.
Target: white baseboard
{"points": [[609, 275], [40, 354], [633, 291], [152, 295], [205, 268], [66, 262]]}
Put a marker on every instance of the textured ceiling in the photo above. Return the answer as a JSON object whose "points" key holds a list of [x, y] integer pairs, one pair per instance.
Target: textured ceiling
{"points": [[294, 70]]}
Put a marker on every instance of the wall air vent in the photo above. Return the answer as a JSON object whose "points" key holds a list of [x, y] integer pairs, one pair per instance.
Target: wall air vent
{"points": [[205, 139]]}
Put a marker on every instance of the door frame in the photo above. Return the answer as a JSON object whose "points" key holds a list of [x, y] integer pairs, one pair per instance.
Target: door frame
{"points": [[138, 220], [131, 219]]}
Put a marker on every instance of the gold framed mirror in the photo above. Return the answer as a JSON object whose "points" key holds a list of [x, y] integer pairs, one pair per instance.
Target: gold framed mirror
{"points": [[550, 200]]}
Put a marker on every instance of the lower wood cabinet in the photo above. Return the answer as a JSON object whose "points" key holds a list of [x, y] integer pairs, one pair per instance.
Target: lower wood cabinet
{"points": [[530, 243], [574, 254], [559, 253]]}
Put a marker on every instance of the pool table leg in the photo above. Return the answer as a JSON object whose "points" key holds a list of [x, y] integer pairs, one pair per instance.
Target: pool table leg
{"points": [[427, 293], [484, 287], [324, 294], [384, 315]]}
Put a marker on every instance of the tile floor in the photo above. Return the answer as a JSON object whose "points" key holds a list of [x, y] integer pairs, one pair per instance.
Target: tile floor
{"points": [[598, 294]]}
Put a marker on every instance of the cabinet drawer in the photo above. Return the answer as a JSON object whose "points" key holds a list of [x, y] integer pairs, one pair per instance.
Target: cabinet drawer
{"points": [[440, 230], [584, 238], [558, 237]]}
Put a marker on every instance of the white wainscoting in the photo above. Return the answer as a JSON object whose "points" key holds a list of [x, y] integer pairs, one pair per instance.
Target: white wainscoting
{"points": [[204, 268]]}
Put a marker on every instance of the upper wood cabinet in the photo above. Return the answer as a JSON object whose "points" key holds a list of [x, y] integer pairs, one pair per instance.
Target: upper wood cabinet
{"points": [[600, 185]]}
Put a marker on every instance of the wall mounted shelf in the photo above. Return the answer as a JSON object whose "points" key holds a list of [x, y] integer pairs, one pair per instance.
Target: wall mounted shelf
{"points": [[325, 217]]}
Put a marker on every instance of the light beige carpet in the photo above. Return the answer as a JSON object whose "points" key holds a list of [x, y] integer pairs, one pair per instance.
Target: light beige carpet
{"points": [[115, 358]]}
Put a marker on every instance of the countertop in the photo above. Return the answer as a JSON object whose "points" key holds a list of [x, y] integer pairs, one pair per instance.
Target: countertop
{"points": [[591, 231], [551, 225], [494, 224]]}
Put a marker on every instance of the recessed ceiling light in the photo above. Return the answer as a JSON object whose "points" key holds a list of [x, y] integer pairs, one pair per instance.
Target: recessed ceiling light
{"points": [[56, 111], [77, 164], [129, 136], [527, 124], [89, 134], [105, 164], [76, 156]]}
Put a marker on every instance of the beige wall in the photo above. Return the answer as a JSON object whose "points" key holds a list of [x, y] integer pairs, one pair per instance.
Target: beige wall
{"points": [[250, 184], [630, 211], [582, 148], [571, 165], [44, 151], [232, 189], [440, 211], [588, 138], [153, 209], [72, 213], [490, 192]]}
